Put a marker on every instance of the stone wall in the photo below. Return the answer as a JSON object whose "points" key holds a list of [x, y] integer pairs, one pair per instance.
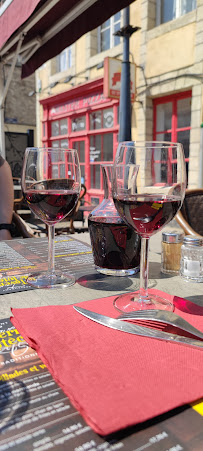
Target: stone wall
{"points": [[19, 106]]}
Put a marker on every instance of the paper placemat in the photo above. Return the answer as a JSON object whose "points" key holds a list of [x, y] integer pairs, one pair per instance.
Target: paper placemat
{"points": [[114, 379]]}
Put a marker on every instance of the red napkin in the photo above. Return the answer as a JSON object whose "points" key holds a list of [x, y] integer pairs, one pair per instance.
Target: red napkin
{"points": [[114, 379]]}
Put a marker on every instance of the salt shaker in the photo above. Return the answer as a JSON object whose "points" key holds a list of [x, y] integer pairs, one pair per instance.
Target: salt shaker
{"points": [[171, 252], [191, 268]]}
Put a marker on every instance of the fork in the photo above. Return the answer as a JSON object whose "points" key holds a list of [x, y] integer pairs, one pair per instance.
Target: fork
{"points": [[162, 317]]}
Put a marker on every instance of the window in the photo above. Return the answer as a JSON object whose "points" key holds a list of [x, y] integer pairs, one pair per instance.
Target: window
{"points": [[101, 119], [59, 127], [92, 130], [79, 145], [101, 149], [172, 116], [64, 60], [78, 124], [106, 38], [172, 9]]}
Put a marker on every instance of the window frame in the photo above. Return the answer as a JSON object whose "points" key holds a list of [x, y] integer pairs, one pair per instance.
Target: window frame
{"points": [[68, 51], [112, 37], [178, 11], [85, 135], [174, 130]]}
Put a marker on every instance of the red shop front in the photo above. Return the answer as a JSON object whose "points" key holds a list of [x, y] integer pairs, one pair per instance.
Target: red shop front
{"points": [[84, 119]]}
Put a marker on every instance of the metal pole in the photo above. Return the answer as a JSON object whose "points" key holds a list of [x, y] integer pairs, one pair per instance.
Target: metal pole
{"points": [[125, 98]]}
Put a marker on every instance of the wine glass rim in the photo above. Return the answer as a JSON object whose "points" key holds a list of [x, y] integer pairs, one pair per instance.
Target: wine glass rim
{"points": [[40, 149], [148, 143]]}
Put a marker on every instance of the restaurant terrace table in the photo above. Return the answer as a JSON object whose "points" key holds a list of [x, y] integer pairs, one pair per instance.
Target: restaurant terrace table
{"points": [[175, 431]]}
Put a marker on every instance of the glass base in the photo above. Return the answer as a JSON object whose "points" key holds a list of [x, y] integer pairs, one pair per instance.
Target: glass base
{"points": [[130, 302], [47, 280], [117, 272]]}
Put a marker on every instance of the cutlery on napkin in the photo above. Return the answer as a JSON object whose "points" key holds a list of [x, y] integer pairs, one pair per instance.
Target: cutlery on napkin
{"points": [[137, 330]]}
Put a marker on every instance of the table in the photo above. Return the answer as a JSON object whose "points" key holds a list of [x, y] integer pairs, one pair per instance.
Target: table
{"points": [[49, 421]]}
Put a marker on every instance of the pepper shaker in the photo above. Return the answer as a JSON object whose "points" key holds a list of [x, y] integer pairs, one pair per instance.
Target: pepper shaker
{"points": [[192, 259], [171, 252]]}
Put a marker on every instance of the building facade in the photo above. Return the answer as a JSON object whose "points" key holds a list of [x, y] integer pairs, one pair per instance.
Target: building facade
{"points": [[19, 118], [168, 52]]}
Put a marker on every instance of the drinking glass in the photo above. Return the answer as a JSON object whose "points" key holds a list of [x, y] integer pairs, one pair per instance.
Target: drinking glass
{"points": [[51, 187], [148, 190]]}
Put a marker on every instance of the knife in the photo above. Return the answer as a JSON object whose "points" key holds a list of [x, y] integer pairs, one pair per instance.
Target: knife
{"points": [[130, 328]]}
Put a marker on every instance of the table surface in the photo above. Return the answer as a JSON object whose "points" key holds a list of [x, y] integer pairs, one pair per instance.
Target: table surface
{"points": [[165, 433], [98, 286]]}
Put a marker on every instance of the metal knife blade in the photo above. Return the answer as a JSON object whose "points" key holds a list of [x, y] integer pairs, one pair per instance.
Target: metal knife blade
{"points": [[137, 330]]}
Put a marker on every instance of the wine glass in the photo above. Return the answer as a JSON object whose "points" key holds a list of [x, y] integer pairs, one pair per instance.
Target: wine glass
{"points": [[148, 190], [51, 187]]}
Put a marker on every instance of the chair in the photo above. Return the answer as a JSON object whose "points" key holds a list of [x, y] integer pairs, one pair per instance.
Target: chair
{"points": [[190, 216], [20, 205], [22, 229]]}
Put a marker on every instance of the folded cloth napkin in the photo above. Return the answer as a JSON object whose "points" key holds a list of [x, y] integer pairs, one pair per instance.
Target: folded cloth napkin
{"points": [[114, 379]]}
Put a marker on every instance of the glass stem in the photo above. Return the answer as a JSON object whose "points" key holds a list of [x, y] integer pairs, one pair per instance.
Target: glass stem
{"points": [[51, 246], [144, 267]]}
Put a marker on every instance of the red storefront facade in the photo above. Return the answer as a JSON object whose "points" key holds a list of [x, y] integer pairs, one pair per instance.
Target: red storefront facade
{"points": [[84, 119]]}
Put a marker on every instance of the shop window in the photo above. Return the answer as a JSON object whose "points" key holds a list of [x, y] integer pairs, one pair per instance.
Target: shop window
{"points": [[59, 127], [64, 60], [60, 143], [95, 176], [95, 148], [78, 124], [55, 170], [80, 147], [106, 38], [108, 147], [101, 119], [167, 10], [172, 121], [96, 120], [101, 147], [62, 171], [108, 118], [64, 143]]}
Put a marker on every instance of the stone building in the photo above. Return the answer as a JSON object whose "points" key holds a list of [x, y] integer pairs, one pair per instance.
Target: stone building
{"points": [[168, 52], [19, 118]]}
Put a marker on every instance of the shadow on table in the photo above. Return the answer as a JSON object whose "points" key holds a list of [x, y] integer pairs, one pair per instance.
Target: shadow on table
{"points": [[158, 421], [109, 283], [8, 416], [97, 281], [189, 305]]}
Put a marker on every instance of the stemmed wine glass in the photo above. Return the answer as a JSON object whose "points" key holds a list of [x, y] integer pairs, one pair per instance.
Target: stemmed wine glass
{"points": [[148, 190], [51, 187]]}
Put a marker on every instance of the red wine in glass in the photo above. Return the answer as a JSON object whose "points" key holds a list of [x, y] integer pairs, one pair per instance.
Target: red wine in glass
{"points": [[51, 187], [148, 190], [114, 245], [48, 202], [147, 213]]}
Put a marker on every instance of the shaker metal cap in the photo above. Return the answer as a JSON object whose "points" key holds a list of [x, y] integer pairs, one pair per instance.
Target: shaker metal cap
{"points": [[172, 237], [193, 240]]}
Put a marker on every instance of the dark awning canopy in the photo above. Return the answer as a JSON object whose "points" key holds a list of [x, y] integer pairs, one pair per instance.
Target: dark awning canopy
{"points": [[46, 27]]}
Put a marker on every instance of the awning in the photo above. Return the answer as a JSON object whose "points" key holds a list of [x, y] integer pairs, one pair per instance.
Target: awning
{"points": [[49, 26]]}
